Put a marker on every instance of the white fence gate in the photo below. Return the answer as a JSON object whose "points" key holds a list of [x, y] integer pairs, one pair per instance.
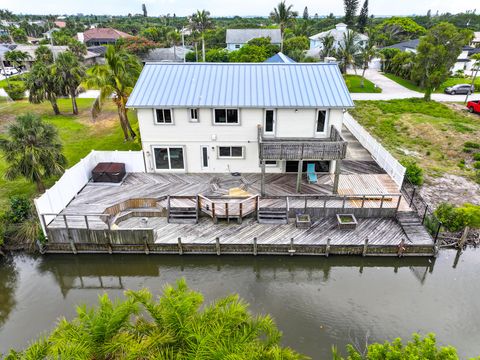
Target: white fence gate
{"points": [[386, 161], [55, 199]]}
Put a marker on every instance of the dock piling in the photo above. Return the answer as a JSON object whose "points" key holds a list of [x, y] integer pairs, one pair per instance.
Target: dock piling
{"points": [[180, 249], [255, 250], [327, 248], [217, 241], [365, 246]]}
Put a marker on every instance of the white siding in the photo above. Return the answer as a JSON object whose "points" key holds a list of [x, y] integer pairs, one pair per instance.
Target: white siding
{"points": [[192, 136]]}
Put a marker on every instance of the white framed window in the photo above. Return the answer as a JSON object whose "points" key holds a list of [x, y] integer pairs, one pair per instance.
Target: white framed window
{"points": [[321, 122], [271, 163], [168, 158], [226, 117], [269, 123], [230, 152], [163, 116], [193, 113], [237, 46]]}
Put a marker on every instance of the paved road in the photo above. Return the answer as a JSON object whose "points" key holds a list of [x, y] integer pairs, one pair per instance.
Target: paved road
{"points": [[392, 90]]}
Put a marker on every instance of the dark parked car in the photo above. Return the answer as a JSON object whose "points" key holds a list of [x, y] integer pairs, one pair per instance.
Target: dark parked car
{"points": [[460, 89]]}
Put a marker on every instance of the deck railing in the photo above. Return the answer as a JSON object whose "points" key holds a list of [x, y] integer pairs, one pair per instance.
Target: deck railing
{"points": [[331, 148], [231, 207]]}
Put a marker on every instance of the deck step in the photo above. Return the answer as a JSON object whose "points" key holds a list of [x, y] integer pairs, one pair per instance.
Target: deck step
{"points": [[182, 215], [272, 216]]}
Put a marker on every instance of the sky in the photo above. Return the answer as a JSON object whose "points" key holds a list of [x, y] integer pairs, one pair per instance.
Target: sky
{"points": [[229, 7]]}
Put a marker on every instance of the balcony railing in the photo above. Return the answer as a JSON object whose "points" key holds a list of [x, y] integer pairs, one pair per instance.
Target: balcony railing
{"points": [[331, 148]]}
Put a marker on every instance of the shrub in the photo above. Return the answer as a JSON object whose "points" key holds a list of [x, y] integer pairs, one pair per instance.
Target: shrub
{"points": [[414, 173], [16, 91], [456, 218], [476, 156], [20, 209], [471, 145], [476, 165]]}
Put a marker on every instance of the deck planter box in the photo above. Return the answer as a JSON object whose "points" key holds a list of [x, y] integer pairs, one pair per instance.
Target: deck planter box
{"points": [[109, 172], [347, 221], [303, 221]]}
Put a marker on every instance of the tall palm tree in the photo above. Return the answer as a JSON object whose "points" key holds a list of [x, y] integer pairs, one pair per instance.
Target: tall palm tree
{"points": [[328, 46], [16, 58], [200, 21], [173, 38], [349, 51], [367, 54], [116, 78], [70, 73], [43, 85], [283, 15], [44, 54], [32, 150]]}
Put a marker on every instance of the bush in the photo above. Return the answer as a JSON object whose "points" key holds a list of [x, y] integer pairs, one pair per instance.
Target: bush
{"points": [[476, 165], [456, 218], [16, 91], [414, 173], [476, 156], [471, 145], [20, 209]]}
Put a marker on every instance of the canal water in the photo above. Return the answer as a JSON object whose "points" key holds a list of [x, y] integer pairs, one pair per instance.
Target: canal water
{"points": [[317, 302]]}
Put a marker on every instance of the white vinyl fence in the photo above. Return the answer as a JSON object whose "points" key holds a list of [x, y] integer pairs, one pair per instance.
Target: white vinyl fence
{"points": [[55, 199], [386, 161]]}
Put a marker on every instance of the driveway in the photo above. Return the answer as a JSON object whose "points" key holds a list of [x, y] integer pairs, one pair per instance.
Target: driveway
{"points": [[392, 90]]}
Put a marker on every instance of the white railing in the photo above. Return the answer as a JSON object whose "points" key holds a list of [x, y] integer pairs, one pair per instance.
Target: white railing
{"points": [[55, 199], [386, 161]]}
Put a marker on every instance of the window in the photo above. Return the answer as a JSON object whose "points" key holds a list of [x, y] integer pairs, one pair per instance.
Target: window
{"points": [[270, 163], [237, 46], [269, 121], [230, 151], [163, 116], [226, 116], [168, 158], [193, 115], [321, 121]]}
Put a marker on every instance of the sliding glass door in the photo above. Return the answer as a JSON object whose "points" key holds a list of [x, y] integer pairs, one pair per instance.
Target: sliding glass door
{"points": [[169, 158]]}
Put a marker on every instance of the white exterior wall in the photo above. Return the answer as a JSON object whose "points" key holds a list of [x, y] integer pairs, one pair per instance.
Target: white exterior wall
{"points": [[192, 136], [233, 47]]}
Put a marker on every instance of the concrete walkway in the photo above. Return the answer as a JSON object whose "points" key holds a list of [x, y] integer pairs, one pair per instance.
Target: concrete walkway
{"points": [[392, 90]]}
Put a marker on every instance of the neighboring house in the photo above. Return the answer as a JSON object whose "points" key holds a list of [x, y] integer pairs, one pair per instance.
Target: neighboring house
{"points": [[89, 59], [280, 58], [246, 118], [338, 34], [60, 24], [101, 36], [171, 54], [476, 40], [48, 35], [236, 38], [464, 61]]}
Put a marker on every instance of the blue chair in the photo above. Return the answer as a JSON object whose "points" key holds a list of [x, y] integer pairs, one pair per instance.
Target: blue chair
{"points": [[311, 175]]}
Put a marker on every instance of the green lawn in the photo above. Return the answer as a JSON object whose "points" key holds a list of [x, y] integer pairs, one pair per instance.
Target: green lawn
{"points": [[405, 83], [354, 85], [79, 135], [450, 82], [432, 132]]}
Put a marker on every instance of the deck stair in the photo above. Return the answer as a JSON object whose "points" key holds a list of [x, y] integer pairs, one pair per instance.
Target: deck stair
{"points": [[272, 216], [412, 225], [182, 213]]}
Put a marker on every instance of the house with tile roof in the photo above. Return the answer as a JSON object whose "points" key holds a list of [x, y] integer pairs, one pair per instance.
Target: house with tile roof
{"points": [[101, 36]]}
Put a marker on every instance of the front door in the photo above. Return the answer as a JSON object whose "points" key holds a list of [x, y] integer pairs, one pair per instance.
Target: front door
{"points": [[269, 126], [205, 157]]}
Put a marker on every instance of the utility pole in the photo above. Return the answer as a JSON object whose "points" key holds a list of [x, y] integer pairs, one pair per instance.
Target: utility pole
{"points": [[477, 68]]}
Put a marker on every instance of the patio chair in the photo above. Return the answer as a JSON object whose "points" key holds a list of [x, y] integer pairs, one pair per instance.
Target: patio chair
{"points": [[311, 175]]}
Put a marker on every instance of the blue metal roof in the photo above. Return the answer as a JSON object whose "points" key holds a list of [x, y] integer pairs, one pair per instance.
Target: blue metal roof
{"points": [[256, 85], [280, 58]]}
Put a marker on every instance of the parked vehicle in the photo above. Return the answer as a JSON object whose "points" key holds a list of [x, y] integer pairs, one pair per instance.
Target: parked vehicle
{"points": [[460, 89], [8, 71], [474, 106]]}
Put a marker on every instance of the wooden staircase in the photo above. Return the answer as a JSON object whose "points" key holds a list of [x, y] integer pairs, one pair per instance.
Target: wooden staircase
{"points": [[412, 225], [182, 214], [272, 216]]}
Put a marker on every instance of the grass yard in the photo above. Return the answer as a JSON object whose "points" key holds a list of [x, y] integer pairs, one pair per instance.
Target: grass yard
{"points": [[432, 132], [354, 85], [405, 83], [450, 82], [79, 135]]}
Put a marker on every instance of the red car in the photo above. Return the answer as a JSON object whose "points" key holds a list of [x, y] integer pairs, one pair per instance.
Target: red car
{"points": [[474, 106]]}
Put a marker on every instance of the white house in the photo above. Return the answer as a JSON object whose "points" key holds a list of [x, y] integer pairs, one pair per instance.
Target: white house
{"points": [[236, 38], [476, 40], [246, 118], [338, 34]]}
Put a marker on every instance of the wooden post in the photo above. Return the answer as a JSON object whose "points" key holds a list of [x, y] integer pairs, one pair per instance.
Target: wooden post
{"points": [[413, 196], [197, 213], [86, 222], [180, 248], [336, 178], [213, 213], [299, 175], [401, 248], [226, 212], [305, 207], [255, 249], [262, 186], [168, 208], [72, 244], [147, 249], [463, 239], [327, 248], [291, 251], [365, 246], [363, 201], [344, 201], [424, 214], [217, 241], [381, 202], [399, 201]]}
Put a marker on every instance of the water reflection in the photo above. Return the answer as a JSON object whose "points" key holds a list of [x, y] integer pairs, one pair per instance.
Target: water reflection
{"points": [[8, 283]]}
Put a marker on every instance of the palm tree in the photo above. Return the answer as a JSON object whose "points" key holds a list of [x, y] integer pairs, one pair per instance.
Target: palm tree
{"points": [[32, 150], [70, 73], [43, 85], [173, 38], [116, 78], [283, 15], [44, 54], [200, 21], [328, 46], [349, 51], [16, 58], [367, 54]]}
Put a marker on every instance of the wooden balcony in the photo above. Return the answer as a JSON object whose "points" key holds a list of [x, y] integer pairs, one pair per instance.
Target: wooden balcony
{"points": [[295, 149]]}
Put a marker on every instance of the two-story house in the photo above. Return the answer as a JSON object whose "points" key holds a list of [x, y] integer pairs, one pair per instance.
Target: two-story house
{"points": [[236, 38], [245, 118]]}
